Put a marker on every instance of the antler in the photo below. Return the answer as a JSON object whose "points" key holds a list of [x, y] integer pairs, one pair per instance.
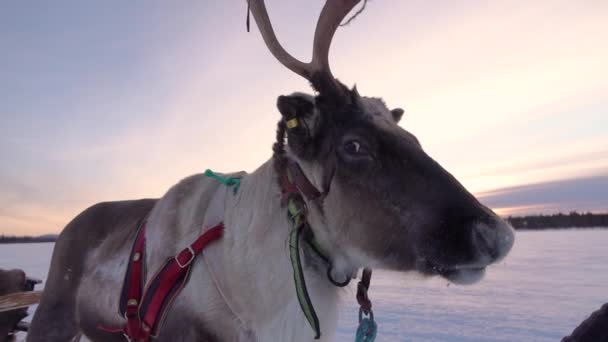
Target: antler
{"points": [[331, 16]]}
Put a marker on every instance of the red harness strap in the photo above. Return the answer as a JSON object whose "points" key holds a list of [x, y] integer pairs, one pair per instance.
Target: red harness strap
{"points": [[132, 288], [144, 312]]}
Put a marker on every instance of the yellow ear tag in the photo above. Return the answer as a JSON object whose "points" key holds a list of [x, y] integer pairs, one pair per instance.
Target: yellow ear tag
{"points": [[292, 123]]}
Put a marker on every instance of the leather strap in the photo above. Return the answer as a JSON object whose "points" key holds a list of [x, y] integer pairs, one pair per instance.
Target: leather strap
{"points": [[362, 287], [301, 182]]}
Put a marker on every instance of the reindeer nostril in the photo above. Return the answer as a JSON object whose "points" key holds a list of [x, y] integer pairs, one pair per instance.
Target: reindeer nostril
{"points": [[482, 239], [493, 240]]}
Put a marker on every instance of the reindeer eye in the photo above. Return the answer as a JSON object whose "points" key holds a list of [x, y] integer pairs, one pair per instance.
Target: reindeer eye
{"points": [[356, 149], [353, 147]]}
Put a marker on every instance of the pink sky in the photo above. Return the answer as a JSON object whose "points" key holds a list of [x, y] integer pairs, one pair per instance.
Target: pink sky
{"points": [[105, 103]]}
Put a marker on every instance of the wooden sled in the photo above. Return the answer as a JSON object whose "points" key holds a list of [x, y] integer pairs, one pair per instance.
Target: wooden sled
{"points": [[19, 300], [17, 294]]}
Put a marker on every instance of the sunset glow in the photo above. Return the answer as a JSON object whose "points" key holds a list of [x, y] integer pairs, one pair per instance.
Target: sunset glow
{"points": [[104, 102]]}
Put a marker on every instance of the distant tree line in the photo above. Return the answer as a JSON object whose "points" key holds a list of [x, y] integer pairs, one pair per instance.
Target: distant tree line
{"points": [[553, 221], [26, 239], [571, 220]]}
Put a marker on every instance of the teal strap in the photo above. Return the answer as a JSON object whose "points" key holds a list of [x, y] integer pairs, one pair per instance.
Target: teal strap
{"points": [[230, 181], [367, 330], [298, 274]]}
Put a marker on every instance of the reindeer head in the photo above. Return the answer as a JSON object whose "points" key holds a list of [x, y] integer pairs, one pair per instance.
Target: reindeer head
{"points": [[385, 202]]}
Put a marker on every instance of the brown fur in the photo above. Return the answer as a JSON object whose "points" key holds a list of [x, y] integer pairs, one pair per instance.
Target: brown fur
{"points": [[56, 318]]}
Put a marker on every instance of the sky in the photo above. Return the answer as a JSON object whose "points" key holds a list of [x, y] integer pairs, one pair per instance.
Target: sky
{"points": [[120, 100]]}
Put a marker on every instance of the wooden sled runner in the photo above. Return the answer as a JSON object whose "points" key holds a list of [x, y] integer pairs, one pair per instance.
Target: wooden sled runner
{"points": [[19, 300]]}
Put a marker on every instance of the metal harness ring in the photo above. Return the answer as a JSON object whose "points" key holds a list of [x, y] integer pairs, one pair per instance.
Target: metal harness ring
{"points": [[346, 282]]}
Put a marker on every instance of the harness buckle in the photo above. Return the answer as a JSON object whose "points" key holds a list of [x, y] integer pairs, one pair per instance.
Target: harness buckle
{"points": [[192, 255], [362, 312]]}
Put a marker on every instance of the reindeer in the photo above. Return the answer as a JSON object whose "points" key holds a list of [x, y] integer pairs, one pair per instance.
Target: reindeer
{"points": [[372, 198]]}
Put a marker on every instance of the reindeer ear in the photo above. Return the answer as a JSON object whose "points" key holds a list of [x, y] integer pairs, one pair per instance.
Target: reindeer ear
{"points": [[298, 113], [295, 105], [397, 114]]}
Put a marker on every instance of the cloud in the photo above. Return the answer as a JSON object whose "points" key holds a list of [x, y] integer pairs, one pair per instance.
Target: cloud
{"points": [[161, 95], [581, 194]]}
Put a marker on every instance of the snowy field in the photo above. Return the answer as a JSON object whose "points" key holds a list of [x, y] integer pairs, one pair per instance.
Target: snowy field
{"points": [[549, 283]]}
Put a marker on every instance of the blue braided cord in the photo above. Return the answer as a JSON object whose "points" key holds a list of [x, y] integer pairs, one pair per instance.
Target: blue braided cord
{"points": [[367, 330]]}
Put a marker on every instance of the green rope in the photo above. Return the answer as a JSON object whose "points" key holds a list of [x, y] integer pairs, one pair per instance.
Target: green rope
{"points": [[230, 181], [295, 213], [314, 244]]}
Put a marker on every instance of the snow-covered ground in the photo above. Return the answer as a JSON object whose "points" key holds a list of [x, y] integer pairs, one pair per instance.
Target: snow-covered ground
{"points": [[549, 283]]}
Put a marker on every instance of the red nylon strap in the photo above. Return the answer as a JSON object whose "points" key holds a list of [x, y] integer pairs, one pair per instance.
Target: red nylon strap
{"points": [[134, 287], [172, 273], [287, 189], [168, 282], [287, 186]]}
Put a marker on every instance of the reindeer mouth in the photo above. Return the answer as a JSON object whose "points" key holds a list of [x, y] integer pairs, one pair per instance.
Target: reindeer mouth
{"points": [[458, 274], [463, 276]]}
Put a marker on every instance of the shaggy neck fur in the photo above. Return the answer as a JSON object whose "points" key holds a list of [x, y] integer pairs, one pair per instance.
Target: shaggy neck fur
{"points": [[263, 245], [253, 256]]}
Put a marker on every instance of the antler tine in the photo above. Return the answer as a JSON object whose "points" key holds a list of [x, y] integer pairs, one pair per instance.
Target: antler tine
{"points": [[258, 9], [330, 18]]}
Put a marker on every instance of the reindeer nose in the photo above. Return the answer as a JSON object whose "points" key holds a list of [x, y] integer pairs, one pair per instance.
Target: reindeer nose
{"points": [[493, 240]]}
